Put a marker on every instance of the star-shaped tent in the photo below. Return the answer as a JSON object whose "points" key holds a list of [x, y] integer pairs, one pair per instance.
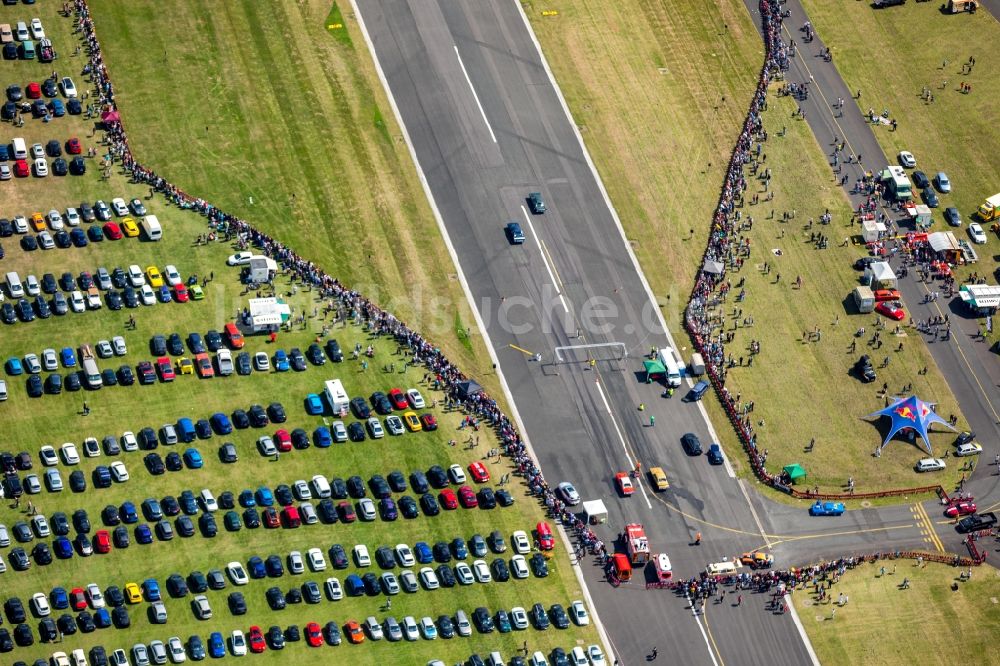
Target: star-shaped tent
{"points": [[913, 413]]}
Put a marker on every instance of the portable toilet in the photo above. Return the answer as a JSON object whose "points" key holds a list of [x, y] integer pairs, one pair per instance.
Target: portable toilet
{"points": [[697, 365]]}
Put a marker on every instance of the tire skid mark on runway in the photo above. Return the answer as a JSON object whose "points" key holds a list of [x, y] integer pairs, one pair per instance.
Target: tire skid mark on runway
{"points": [[629, 455]]}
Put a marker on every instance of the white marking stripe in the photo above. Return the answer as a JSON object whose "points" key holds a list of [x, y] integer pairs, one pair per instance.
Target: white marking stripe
{"points": [[474, 95]]}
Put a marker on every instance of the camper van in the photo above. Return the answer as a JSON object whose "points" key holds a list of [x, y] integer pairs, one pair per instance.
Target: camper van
{"points": [[91, 373], [339, 401], [669, 361], [151, 226]]}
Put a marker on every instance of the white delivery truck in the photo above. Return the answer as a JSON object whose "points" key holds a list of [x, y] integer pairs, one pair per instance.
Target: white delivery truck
{"points": [[339, 401], [669, 361], [151, 226]]}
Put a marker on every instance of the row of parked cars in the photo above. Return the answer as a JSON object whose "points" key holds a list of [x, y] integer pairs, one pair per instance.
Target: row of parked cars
{"points": [[72, 217]]}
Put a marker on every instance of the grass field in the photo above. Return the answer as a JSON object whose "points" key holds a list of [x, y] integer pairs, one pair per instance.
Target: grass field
{"points": [[31, 423], [261, 102], [646, 79], [957, 133], [929, 623]]}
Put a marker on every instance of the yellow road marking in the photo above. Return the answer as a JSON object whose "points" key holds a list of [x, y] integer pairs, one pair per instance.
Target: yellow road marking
{"points": [[521, 349], [708, 630], [552, 262], [926, 521]]}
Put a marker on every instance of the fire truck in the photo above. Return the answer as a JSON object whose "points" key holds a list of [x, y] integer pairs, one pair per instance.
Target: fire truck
{"points": [[636, 544]]}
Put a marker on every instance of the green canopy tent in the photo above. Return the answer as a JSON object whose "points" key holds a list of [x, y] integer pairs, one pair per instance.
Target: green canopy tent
{"points": [[653, 368], [795, 471]]}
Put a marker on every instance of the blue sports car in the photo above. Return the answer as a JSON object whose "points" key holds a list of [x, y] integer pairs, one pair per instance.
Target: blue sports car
{"points": [[826, 508]]}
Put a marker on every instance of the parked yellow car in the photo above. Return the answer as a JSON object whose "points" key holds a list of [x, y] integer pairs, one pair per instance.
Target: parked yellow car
{"points": [[133, 594], [185, 366], [155, 279], [412, 421], [130, 228]]}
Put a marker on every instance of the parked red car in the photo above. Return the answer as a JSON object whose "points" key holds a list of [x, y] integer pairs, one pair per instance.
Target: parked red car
{"points": [[166, 369], [890, 310], [33, 91], [77, 599], [181, 293], [283, 441], [478, 472], [112, 231], [21, 169], [256, 640], [314, 635], [290, 517], [448, 499], [270, 518], [886, 295], [960, 509], [544, 533], [429, 422], [73, 146], [346, 512], [398, 399], [467, 497], [102, 542]]}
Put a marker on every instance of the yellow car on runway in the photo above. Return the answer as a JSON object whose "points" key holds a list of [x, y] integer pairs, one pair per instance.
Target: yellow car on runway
{"points": [[658, 478]]}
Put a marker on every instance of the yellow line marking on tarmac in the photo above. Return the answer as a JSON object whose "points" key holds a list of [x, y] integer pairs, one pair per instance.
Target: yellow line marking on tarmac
{"points": [[521, 349], [555, 270], [926, 521], [708, 629], [867, 530]]}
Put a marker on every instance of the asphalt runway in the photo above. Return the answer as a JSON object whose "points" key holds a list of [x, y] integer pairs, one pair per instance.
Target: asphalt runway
{"points": [[487, 127]]}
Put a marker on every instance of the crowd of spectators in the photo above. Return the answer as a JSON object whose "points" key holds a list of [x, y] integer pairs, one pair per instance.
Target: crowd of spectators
{"points": [[726, 246]]}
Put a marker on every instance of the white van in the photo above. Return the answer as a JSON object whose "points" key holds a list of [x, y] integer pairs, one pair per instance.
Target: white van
{"points": [[495, 659], [152, 227], [91, 373], [22, 31], [20, 148], [14, 287], [669, 361]]}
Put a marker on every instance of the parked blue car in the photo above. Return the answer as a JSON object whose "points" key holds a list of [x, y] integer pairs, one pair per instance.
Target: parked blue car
{"points": [[221, 423], [192, 458], [314, 405]]}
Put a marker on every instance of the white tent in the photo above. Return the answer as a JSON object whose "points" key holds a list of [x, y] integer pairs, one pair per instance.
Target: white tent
{"points": [[879, 275], [871, 230], [943, 241], [596, 511], [267, 314]]}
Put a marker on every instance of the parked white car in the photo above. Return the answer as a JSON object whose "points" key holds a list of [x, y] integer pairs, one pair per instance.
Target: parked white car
{"points": [[977, 233]]}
